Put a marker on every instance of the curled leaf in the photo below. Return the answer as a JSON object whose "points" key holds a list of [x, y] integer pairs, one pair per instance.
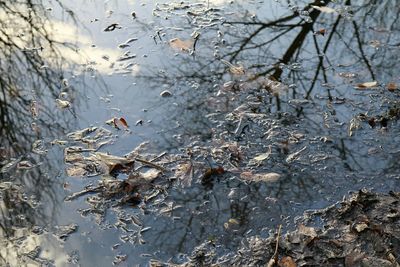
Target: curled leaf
{"points": [[324, 9], [366, 85]]}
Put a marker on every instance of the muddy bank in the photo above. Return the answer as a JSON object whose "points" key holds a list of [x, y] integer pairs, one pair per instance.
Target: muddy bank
{"points": [[363, 230]]}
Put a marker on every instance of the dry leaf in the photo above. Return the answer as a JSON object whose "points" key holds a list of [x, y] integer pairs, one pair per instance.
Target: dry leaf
{"points": [[366, 85], [184, 173], [63, 103], [183, 45], [263, 156], [151, 174], [320, 32], [260, 177], [165, 93], [237, 70], [308, 231], [294, 156], [287, 262], [392, 86], [123, 122], [324, 9]]}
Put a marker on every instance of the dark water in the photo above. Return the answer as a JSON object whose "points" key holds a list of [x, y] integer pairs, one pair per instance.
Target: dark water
{"points": [[272, 74]]}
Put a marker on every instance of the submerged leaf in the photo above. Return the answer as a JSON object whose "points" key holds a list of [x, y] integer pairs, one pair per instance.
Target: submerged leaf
{"points": [[260, 177], [295, 155], [260, 158], [184, 173], [183, 45]]}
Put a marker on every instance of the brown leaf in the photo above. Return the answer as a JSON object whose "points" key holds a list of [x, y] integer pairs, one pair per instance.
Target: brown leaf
{"points": [[308, 231], [320, 32], [353, 259], [287, 261], [182, 45], [123, 122], [366, 85], [392, 86]]}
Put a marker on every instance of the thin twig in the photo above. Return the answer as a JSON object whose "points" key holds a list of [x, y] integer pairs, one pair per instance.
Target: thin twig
{"points": [[151, 164], [274, 258]]}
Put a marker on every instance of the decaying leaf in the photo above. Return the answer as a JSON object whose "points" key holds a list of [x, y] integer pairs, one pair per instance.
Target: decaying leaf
{"points": [[63, 103], [324, 9], [95, 164], [115, 122], [392, 86], [355, 124], [151, 174], [210, 173], [294, 156], [287, 261], [260, 158], [182, 45], [260, 177], [320, 32], [237, 70], [308, 231], [78, 135], [366, 85], [184, 173]]}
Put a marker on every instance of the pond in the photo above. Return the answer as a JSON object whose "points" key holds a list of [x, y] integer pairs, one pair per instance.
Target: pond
{"points": [[134, 131]]}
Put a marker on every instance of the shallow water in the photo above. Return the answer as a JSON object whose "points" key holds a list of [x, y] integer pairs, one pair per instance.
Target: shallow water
{"points": [[259, 76]]}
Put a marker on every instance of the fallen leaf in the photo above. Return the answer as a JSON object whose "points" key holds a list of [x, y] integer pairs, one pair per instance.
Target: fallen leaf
{"points": [[294, 156], [320, 32], [308, 231], [287, 261], [237, 70], [209, 174], [166, 93], [182, 45], [366, 85], [63, 103], [184, 173], [353, 259], [151, 174], [324, 9], [123, 122], [260, 177], [392, 86], [361, 227], [263, 156], [355, 124]]}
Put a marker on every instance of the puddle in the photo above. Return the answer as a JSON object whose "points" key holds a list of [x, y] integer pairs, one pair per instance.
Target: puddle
{"points": [[138, 130]]}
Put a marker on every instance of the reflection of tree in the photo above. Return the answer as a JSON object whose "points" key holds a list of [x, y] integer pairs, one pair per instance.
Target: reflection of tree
{"points": [[31, 78], [290, 50]]}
